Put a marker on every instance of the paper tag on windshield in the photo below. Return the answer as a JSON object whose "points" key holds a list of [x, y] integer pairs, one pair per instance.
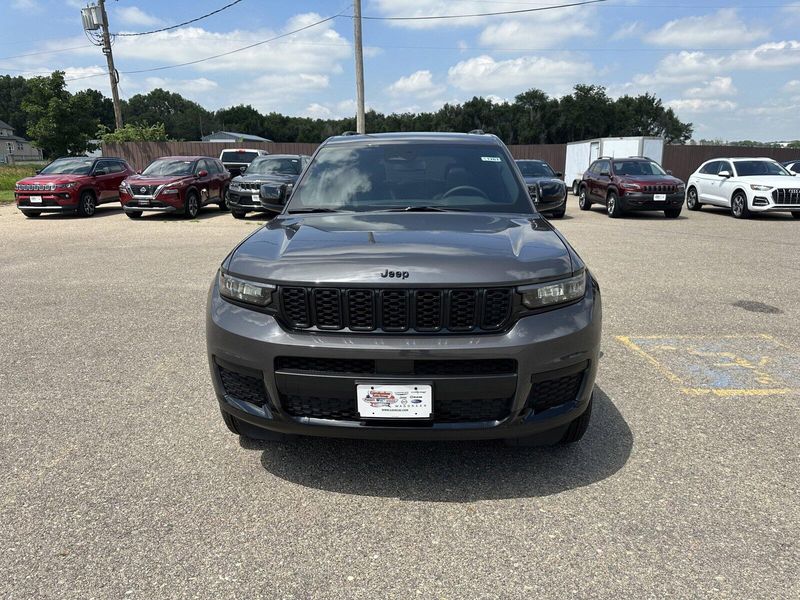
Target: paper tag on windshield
{"points": [[491, 159]]}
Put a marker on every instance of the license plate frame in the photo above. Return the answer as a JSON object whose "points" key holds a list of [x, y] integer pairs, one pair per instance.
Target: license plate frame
{"points": [[398, 400], [35, 199], [660, 197]]}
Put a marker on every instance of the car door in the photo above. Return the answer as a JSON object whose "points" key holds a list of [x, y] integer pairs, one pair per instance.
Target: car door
{"points": [[103, 182], [717, 186], [588, 179], [706, 176], [602, 180], [209, 187], [117, 173]]}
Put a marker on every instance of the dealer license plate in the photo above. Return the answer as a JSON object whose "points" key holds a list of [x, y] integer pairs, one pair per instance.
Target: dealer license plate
{"points": [[36, 199], [659, 197], [394, 401]]}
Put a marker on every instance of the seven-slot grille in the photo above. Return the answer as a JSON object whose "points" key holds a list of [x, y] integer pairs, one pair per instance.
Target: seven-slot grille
{"points": [[396, 310], [786, 196], [659, 189], [250, 186]]}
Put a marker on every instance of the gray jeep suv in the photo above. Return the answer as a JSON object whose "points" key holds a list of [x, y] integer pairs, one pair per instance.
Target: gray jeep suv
{"points": [[409, 290]]}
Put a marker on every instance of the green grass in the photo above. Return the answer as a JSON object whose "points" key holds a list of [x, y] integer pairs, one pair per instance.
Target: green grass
{"points": [[9, 175]]}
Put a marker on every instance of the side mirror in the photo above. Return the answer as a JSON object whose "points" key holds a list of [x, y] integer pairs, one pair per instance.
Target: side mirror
{"points": [[559, 174], [243, 169], [724, 174], [139, 172], [38, 171], [669, 172], [274, 194], [202, 173], [605, 174]]}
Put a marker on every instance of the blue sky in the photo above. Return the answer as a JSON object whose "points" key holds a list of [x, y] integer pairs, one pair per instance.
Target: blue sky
{"points": [[731, 68]]}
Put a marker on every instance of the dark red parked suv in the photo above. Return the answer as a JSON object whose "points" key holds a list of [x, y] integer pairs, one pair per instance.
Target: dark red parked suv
{"points": [[176, 184], [74, 185], [635, 183]]}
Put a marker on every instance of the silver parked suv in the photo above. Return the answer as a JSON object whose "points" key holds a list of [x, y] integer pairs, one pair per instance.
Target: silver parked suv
{"points": [[409, 290]]}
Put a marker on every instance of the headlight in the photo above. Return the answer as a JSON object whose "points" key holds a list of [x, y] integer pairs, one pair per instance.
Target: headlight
{"points": [[760, 188], [236, 186], [554, 292], [243, 290], [66, 186], [680, 188], [168, 191], [629, 185]]}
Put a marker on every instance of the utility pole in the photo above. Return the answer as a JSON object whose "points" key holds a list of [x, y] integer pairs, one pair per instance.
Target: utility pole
{"points": [[112, 72], [360, 117]]}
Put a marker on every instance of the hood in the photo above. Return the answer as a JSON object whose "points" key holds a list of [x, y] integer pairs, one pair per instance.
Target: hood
{"points": [[777, 181], [156, 179], [544, 180], [436, 249], [50, 179], [272, 178], [652, 179]]}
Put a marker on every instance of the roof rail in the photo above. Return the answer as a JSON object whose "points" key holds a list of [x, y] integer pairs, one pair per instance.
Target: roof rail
{"points": [[349, 133], [477, 132]]}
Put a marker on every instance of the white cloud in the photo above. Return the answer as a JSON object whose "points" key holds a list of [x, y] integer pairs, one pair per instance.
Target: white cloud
{"points": [[483, 74], [419, 84], [721, 28], [420, 8], [540, 29], [627, 31], [26, 5], [337, 110], [716, 88], [700, 105], [133, 15], [182, 86]]}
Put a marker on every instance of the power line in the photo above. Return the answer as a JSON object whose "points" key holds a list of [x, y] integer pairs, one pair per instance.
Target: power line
{"points": [[200, 18], [207, 58], [486, 14]]}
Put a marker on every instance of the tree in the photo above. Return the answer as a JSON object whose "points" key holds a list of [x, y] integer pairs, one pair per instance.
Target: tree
{"points": [[133, 133], [182, 118], [241, 118], [58, 122], [98, 106], [12, 92]]}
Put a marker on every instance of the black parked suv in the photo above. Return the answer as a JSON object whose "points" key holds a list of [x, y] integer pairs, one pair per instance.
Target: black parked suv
{"points": [[548, 190], [409, 290], [274, 170]]}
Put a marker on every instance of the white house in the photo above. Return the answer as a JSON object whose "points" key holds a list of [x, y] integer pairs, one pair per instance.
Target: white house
{"points": [[233, 136], [14, 148]]}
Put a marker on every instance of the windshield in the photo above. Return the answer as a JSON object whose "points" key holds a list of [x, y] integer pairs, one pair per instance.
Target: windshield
{"points": [[235, 156], [749, 168], [533, 168], [637, 167], [274, 166], [169, 166], [398, 176], [72, 166]]}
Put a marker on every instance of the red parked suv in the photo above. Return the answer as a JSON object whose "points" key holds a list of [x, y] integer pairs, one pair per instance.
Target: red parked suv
{"points": [[176, 184], [73, 185], [635, 183]]}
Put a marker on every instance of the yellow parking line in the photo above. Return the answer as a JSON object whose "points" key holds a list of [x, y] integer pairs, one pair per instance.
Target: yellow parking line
{"points": [[626, 341]]}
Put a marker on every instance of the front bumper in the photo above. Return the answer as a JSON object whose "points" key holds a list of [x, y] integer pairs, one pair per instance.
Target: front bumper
{"points": [[248, 201], [551, 203], [50, 202], [151, 203], [762, 202], [642, 201], [558, 345]]}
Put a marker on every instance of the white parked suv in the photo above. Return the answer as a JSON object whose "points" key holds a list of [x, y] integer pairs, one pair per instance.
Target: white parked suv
{"points": [[745, 185]]}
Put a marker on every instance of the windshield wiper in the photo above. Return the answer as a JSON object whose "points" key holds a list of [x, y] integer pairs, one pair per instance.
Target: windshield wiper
{"points": [[426, 209], [316, 209]]}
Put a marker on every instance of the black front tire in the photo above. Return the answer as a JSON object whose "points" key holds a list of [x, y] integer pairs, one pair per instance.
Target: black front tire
{"points": [[223, 202], [796, 215], [739, 208], [578, 427], [583, 200], [614, 206], [133, 214], [87, 204], [672, 213], [238, 214], [692, 203], [191, 206]]}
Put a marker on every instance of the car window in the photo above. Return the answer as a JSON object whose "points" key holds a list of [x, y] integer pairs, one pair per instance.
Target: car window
{"points": [[603, 165], [471, 177], [169, 167], [103, 167], [236, 156], [535, 168], [72, 166], [114, 166], [594, 168], [753, 168], [202, 165], [795, 168], [724, 165], [710, 168], [637, 167], [275, 165]]}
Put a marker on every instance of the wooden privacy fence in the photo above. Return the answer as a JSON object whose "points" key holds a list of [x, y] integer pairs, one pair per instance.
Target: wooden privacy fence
{"points": [[681, 160]]}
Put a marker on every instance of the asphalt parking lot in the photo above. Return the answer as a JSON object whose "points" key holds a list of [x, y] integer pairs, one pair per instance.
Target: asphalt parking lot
{"points": [[119, 478]]}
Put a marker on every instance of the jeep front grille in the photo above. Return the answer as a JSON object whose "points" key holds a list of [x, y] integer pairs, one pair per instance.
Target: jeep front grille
{"points": [[396, 310], [786, 196], [659, 189]]}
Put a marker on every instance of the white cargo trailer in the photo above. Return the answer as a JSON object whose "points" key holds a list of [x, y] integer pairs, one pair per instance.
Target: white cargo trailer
{"points": [[581, 154]]}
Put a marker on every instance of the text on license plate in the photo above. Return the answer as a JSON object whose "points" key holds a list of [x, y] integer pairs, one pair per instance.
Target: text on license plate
{"points": [[36, 199], [394, 401], [659, 197]]}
